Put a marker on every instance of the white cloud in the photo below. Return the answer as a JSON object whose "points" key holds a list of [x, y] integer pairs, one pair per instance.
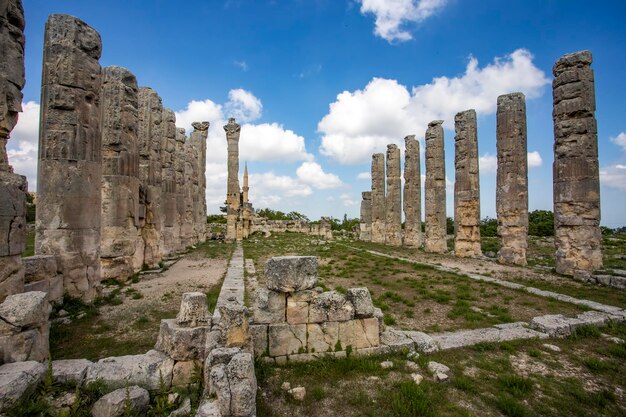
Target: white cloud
{"points": [[614, 176], [487, 163], [243, 65], [392, 15], [362, 122], [271, 142], [620, 140], [311, 173], [347, 200], [364, 175], [22, 148], [534, 159], [243, 105], [265, 183]]}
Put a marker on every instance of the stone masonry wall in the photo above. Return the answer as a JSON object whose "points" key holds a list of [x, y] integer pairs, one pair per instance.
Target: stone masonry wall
{"points": [[435, 190], [412, 193]]}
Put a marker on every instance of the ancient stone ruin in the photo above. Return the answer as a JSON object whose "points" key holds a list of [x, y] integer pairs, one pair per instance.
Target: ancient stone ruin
{"points": [[365, 225], [412, 193], [378, 198], [393, 198], [435, 190]]}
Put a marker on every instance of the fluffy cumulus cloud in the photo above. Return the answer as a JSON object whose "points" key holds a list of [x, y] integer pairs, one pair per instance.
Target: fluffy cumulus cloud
{"points": [[311, 173], [243, 105], [620, 140], [347, 200], [487, 163], [271, 142], [364, 176], [24, 143], [534, 159], [362, 122], [614, 176], [392, 16]]}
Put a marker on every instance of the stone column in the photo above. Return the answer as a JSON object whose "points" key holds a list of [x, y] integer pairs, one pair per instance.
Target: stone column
{"points": [[576, 173], [179, 166], [512, 179], [69, 177], [120, 173], [170, 234], [412, 193], [378, 198], [13, 187], [435, 190], [393, 198], [189, 229], [365, 226], [232, 193], [466, 187], [198, 141], [151, 129]]}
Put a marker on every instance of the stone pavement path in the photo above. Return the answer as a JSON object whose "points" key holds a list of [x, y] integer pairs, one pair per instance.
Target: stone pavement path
{"points": [[233, 288]]}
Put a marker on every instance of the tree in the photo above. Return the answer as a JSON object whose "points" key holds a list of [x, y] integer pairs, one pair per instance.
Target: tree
{"points": [[488, 227], [541, 223]]}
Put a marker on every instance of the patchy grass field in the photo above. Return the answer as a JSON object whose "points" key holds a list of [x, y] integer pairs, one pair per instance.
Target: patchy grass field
{"points": [[586, 378], [412, 296]]}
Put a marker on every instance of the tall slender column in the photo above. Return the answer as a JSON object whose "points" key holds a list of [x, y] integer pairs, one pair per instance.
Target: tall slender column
{"points": [[232, 193], [393, 198], [512, 179], [466, 187], [412, 193], [378, 198], [197, 140], [435, 190], [576, 171], [365, 225]]}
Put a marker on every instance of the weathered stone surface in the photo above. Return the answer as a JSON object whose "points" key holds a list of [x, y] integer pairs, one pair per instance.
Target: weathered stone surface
{"points": [[378, 198], [258, 334], [193, 310], [393, 198], [291, 273], [120, 172], [243, 386], [29, 309], [298, 306], [269, 306], [184, 410], [208, 408], [69, 176], [412, 199], [496, 334], [25, 345], [233, 131], [423, 342], [512, 179], [197, 141], [322, 337], [18, 379], [143, 370], [466, 187], [298, 393], [330, 306], [365, 225], [286, 339], [115, 403], [435, 190], [575, 169], [362, 302], [70, 370], [181, 343], [396, 340], [359, 334], [182, 374], [235, 326], [39, 267]]}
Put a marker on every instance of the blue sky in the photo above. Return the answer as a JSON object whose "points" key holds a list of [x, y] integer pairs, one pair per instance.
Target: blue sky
{"points": [[321, 84]]}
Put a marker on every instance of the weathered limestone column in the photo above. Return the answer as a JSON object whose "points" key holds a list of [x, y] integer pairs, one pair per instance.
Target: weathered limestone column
{"points": [[170, 227], [13, 187], [232, 193], [512, 179], [188, 228], [120, 173], [197, 140], [576, 172], [69, 177], [181, 189], [393, 198], [466, 187], [151, 129], [412, 193], [435, 190], [365, 226], [378, 198]]}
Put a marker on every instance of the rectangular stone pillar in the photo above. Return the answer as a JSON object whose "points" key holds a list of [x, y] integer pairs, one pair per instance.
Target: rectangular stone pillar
{"points": [[179, 164], [576, 171], [120, 173], [378, 198], [412, 193], [466, 187], [197, 140], [512, 179], [365, 225], [435, 190], [69, 177], [393, 198], [13, 187]]}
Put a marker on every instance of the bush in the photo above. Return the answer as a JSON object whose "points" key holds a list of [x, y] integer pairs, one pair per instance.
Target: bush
{"points": [[488, 227], [541, 223]]}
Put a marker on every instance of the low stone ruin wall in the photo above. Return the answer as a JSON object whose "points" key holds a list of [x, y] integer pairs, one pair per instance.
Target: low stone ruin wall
{"points": [[294, 320], [42, 274], [267, 227]]}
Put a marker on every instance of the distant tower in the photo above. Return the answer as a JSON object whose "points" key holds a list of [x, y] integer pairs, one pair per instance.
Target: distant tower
{"points": [[245, 184]]}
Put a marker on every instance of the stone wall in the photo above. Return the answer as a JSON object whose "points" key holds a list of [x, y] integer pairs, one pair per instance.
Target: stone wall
{"points": [[263, 225]]}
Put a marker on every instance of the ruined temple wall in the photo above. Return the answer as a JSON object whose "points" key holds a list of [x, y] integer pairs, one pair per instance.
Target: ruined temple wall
{"points": [[512, 179], [576, 170], [13, 187], [466, 186], [393, 198], [70, 161], [378, 198], [365, 225], [435, 190], [412, 193], [120, 173]]}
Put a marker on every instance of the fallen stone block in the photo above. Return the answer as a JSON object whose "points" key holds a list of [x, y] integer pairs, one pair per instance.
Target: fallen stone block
{"points": [[29, 309], [291, 273], [70, 370], [193, 310], [555, 325], [362, 302], [423, 342], [144, 370], [396, 340], [114, 403], [181, 343], [18, 379]]}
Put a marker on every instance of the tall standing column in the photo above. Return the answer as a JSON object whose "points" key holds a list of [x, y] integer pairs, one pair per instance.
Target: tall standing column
{"points": [[466, 186], [120, 173], [412, 193], [393, 198], [170, 231], [232, 193], [179, 164], [365, 225], [69, 177], [576, 171], [378, 198], [435, 190], [13, 187], [512, 179], [197, 140]]}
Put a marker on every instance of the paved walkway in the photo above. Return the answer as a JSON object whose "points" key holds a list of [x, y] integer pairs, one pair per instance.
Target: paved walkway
{"points": [[233, 288]]}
